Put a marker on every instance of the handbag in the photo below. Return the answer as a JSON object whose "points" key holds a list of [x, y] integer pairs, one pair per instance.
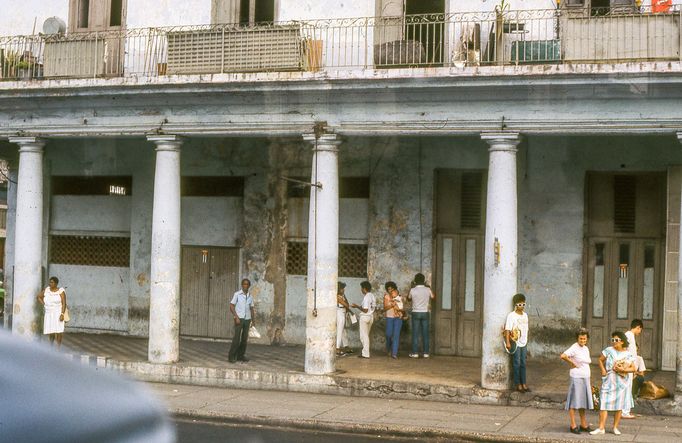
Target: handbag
{"points": [[67, 317]]}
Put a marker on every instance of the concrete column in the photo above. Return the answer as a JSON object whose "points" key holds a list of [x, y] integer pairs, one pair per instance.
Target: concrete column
{"points": [[501, 244], [29, 236], [678, 378], [10, 232], [323, 256], [164, 301]]}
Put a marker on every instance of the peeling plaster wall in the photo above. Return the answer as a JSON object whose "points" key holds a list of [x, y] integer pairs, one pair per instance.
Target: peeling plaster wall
{"points": [[551, 217]]}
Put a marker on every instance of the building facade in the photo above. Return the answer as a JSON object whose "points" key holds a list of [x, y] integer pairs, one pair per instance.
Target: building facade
{"points": [[497, 148]]}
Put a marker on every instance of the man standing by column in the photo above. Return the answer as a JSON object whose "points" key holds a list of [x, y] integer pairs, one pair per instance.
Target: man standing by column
{"points": [[635, 329], [241, 308], [369, 304]]}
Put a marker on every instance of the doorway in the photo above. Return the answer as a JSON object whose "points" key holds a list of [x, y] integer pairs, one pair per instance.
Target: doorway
{"points": [[427, 28], [458, 273], [209, 278], [624, 257]]}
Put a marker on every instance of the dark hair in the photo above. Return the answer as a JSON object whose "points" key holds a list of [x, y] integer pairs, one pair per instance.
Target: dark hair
{"points": [[636, 323], [56, 280], [367, 286], [622, 337], [419, 279], [518, 298], [582, 331], [247, 280], [340, 286], [389, 285]]}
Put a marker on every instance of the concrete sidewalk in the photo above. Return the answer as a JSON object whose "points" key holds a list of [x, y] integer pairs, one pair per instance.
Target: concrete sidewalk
{"points": [[400, 417], [280, 368]]}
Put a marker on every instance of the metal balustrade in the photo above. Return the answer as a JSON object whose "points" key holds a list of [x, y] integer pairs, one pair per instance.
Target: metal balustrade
{"points": [[501, 37]]}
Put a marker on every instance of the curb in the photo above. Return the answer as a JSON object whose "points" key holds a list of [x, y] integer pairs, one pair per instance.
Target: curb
{"points": [[394, 431], [336, 384]]}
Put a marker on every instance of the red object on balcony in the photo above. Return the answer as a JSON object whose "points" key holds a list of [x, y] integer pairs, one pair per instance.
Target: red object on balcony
{"points": [[661, 6]]}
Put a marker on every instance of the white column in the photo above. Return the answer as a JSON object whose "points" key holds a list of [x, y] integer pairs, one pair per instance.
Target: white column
{"points": [[10, 232], [501, 255], [323, 256], [28, 237], [678, 384], [164, 302]]}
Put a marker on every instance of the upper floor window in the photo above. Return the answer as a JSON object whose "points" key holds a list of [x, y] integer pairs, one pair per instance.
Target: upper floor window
{"points": [[246, 12], [96, 15]]}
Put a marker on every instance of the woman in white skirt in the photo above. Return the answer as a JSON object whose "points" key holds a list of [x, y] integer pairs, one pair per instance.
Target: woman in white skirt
{"points": [[580, 390], [54, 300]]}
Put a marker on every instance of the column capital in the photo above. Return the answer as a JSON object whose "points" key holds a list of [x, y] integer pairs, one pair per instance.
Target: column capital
{"points": [[325, 142], [166, 142], [29, 144], [502, 141]]}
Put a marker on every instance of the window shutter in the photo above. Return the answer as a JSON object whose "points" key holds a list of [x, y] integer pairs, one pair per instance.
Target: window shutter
{"points": [[624, 203], [470, 215]]}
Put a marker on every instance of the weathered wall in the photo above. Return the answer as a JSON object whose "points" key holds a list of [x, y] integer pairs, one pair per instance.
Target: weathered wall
{"points": [[551, 217], [147, 13]]}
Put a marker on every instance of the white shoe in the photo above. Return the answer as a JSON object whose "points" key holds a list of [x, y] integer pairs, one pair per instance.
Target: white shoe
{"points": [[426, 355], [414, 355], [597, 432], [616, 431]]}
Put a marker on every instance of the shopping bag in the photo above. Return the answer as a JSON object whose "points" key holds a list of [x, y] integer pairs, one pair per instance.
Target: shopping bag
{"points": [[253, 332]]}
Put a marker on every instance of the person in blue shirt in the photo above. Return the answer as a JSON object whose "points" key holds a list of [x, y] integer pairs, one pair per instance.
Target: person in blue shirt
{"points": [[241, 308]]}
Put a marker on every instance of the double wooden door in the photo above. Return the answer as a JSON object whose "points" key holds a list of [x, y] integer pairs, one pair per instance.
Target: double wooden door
{"points": [[209, 278], [624, 283], [459, 288]]}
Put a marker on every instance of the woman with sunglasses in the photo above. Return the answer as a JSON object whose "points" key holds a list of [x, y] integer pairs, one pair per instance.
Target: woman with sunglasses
{"points": [[615, 364]]}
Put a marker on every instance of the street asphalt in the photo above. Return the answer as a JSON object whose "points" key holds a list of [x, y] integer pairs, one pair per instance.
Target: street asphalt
{"points": [[399, 418]]}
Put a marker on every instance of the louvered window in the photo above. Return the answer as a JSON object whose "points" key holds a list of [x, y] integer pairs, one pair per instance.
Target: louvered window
{"points": [[470, 215], [85, 250], [624, 203], [352, 259]]}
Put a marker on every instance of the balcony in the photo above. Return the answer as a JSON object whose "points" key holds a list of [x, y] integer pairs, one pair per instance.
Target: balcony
{"points": [[459, 40]]}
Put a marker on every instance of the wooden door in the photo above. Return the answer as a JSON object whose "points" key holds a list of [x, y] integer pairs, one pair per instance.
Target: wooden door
{"points": [[194, 291], [223, 282], [624, 283], [209, 278], [458, 266]]}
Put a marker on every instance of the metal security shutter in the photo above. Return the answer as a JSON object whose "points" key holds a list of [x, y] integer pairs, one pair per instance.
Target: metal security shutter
{"points": [[219, 50]]}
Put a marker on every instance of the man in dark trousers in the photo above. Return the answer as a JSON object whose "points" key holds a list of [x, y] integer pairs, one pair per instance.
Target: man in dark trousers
{"points": [[241, 308]]}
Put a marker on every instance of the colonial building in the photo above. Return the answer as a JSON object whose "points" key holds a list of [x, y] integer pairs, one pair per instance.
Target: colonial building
{"points": [[159, 154]]}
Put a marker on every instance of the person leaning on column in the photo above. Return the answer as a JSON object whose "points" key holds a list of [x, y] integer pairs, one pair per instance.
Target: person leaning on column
{"points": [[242, 310]]}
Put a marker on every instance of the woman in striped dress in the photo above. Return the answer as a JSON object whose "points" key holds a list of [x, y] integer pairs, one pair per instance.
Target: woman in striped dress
{"points": [[615, 364]]}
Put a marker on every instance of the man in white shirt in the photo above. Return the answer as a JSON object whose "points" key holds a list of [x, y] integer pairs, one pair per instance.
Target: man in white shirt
{"points": [[420, 296], [369, 304], [516, 328], [635, 329], [241, 307]]}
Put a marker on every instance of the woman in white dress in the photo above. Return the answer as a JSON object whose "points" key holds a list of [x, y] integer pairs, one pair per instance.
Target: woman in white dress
{"points": [[54, 300]]}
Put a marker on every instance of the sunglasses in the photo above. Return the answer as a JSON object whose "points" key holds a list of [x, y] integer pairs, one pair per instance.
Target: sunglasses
{"points": [[520, 305], [615, 340]]}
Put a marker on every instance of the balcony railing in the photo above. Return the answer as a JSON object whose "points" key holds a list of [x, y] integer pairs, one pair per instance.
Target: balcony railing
{"points": [[567, 35]]}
